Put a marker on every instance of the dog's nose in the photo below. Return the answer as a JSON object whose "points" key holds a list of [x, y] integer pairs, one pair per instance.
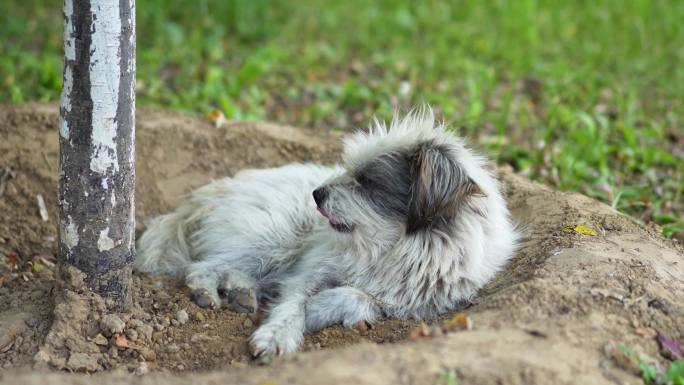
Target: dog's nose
{"points": [[319, 195]]}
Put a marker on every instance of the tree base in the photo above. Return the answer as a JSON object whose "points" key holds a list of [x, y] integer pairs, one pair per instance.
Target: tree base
{"points": [[83, 332]]}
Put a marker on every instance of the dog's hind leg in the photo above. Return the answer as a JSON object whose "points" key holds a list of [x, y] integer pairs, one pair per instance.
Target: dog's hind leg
{"points": [[345, 305], [240, 290], [210, 278], [203, 279]]}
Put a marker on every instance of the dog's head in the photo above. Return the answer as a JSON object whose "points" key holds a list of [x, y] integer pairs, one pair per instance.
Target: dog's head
{"points": [[413, 177]]}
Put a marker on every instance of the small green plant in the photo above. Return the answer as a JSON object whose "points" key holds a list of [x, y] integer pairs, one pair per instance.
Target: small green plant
{"points": [[674, 375], [449, 378], [649, 373]]}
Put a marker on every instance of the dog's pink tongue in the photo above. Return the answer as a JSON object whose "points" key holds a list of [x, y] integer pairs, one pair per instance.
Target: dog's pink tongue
{"points": [[325, 214]]}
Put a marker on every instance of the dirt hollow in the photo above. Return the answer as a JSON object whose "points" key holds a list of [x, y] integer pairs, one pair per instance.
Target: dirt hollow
{"points": [[558, 314]]}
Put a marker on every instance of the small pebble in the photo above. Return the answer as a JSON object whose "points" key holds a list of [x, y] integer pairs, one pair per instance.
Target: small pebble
{"points": [[83, 362], [182, 317], [18, 341], [248, 323], [148, 354], [361, 326], [32, 322], [110, 324], [142, 369], [132, 334], [135, 323], [145, 331], [198, 337], [100, 340], [435, 330], [157, 336], [238, 364], [199, 317], [173, 348]]}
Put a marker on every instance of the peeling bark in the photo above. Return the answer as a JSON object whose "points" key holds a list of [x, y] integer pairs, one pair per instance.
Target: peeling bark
{"points": [[97, 134]]}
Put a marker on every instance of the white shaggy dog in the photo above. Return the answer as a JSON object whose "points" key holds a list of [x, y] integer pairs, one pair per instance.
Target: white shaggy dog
{"points": [[409, 225]]}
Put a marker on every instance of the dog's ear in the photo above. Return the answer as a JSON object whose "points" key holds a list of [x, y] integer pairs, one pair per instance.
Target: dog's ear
{"points": [[439, 187]]}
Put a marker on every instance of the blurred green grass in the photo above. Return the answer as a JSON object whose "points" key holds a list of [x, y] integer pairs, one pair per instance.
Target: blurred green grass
{"points": [[583, 95]]}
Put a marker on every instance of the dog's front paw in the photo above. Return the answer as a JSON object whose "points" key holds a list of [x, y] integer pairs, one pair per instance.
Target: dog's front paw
{"points": [[275, 339]]}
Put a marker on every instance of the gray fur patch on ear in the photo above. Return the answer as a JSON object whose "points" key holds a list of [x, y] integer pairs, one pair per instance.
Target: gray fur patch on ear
{"points": [[440, 187]]}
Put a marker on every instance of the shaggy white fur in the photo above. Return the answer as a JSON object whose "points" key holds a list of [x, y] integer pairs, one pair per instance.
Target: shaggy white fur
{"points": [[410, 224]]}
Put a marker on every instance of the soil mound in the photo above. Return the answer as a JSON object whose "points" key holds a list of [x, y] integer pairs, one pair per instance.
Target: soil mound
{"points": [[568, 309]]}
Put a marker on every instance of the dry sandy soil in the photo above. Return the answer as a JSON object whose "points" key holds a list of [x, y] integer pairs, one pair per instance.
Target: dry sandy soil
{"points": [[559, 313]]}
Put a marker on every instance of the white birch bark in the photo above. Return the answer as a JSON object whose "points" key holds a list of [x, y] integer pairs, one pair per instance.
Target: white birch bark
{"points": [[97, 144]]}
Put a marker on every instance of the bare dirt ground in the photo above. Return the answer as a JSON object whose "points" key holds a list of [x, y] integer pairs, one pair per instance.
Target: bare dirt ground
{"points": [[559, 313]]}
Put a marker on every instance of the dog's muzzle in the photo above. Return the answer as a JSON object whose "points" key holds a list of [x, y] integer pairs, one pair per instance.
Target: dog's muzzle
{"points": [[320, 195]]}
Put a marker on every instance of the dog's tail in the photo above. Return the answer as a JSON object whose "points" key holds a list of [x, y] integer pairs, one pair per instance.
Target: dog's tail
{"points": [[165, 246]]}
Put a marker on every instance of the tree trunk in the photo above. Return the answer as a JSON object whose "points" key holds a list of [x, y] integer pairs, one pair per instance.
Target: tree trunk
{"points": [[97, 133]]}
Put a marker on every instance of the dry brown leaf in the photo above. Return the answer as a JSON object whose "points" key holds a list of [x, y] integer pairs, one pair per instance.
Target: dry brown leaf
{"points": [[646, 332], [217, 117], [37, 265], [460, 321], [579, 229], [12, 260]]}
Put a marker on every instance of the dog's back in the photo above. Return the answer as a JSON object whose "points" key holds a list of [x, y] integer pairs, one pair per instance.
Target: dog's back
{"points": [[235, 217]]}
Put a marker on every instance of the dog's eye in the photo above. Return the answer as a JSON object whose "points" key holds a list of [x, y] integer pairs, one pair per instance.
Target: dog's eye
{"points": [[363, 180]]}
